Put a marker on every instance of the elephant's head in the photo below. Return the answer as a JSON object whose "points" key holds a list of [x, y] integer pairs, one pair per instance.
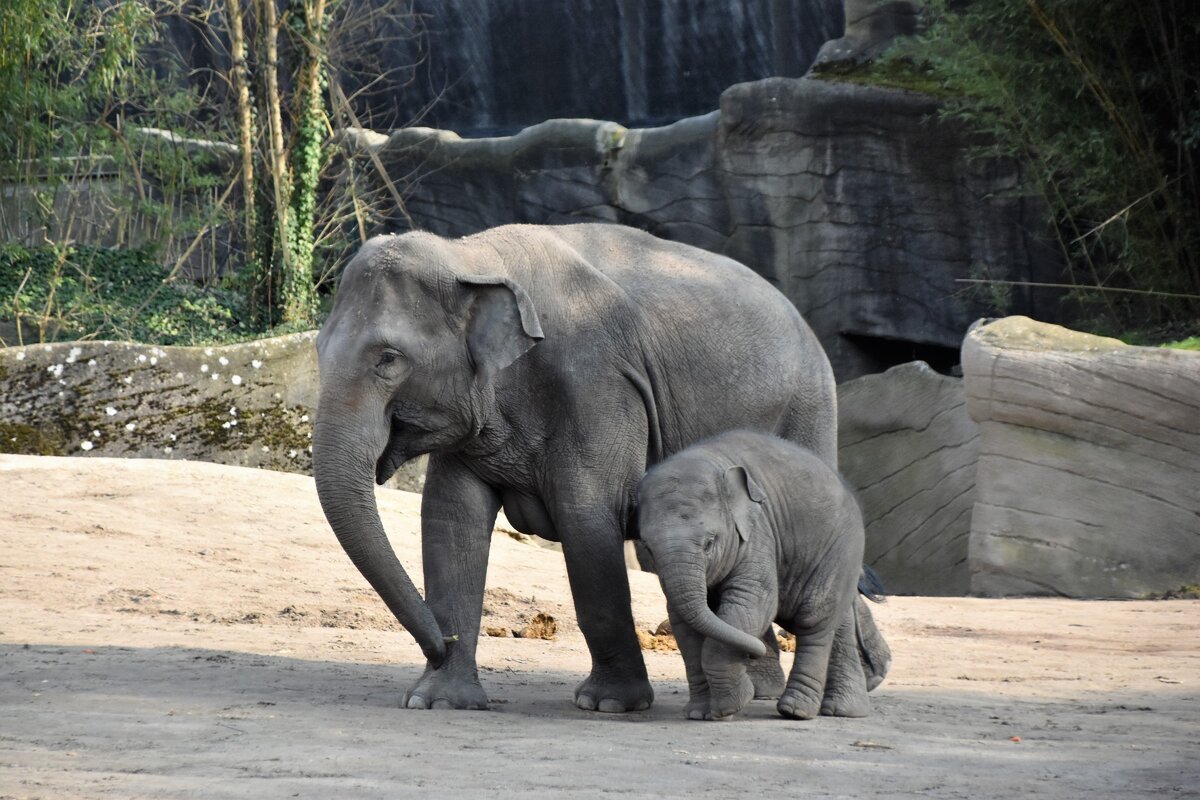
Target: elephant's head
{"points": [[407, 361], [696, 518]]}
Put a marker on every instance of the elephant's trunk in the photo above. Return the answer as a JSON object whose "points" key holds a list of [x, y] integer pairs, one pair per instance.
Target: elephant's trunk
{"points": [[344, 468], [688, 594]]}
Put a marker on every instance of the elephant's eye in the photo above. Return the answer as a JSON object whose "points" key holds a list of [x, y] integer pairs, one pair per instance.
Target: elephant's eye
{"points": [[708, 544], [388, 359]]}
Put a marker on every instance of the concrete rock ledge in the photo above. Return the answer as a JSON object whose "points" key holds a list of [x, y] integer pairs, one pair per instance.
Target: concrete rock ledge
{"points": [[1088, 482]]}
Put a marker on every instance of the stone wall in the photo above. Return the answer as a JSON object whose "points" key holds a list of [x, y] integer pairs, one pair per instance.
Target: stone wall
{"points": [[854, 200], [906, 443], [248, 404]]}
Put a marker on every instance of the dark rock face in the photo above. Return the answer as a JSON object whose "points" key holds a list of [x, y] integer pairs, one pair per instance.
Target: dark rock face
{"points": [[483, 66], [853, 200]]}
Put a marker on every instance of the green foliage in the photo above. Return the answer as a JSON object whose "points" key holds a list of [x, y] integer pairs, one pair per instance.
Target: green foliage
{"points": [[92, 292], [62, 63], [1190, 343], [1101, 104]]}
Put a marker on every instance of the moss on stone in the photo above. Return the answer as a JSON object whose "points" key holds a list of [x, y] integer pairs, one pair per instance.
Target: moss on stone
{"points": [[27, 440], [895, 73]]}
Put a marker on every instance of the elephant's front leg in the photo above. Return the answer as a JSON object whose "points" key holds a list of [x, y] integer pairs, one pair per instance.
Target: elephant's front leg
{"points": [[458, 512], [691, 647], [595, 557], [729, 686]]}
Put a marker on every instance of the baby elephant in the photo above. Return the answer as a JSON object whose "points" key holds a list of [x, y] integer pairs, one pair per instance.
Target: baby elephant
{"points": [[745, 529]]}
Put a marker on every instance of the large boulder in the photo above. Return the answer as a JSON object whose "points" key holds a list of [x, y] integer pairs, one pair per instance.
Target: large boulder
{"points": [[856, 201], [1088, 482], [908, 446], [248, 404]]}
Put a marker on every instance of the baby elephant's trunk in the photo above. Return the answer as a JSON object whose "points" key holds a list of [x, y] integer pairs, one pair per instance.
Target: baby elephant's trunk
{"points": [[689, 598]]}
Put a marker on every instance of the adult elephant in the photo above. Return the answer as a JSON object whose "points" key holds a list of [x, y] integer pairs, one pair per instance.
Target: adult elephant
{"points": [[543, 369]]}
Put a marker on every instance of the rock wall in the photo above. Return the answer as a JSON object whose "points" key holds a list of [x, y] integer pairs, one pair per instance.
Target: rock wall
{"points": [[858, 204], [248, 404], [1088, 482], [906, 443]]}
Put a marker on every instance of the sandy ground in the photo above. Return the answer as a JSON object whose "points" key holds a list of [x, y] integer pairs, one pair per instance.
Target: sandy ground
{"points": [[173, 629]]}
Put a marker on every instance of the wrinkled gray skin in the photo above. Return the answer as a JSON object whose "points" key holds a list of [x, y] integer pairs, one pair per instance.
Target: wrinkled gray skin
{"points": [[543, 369], [747, 529]]}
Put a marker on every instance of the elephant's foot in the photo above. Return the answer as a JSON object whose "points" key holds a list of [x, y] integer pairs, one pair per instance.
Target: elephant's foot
{"points": [[723, 705], [697, 707], [850, 703], [767, 675], [797, 704], [441, 688], [612, 694]]}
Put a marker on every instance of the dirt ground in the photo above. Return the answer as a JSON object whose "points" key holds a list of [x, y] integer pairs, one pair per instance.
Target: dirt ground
{"points": [[174, 629]]}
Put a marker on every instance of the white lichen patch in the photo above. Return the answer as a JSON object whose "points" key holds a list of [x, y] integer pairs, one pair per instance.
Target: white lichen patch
{"points": [[204, 367], [55, 369], [96, 434], [128, 379], [255, 363], [236, 380], [86, 445], [141, 358], [21, 355], [208, 351], [110, 411], [168, 449], [130, 426], [233, 411], [223, 361], [74, 355], [216, 376]]}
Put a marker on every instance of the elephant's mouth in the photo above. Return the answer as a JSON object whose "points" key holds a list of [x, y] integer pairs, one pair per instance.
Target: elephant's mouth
{"points": [[394, 455]]}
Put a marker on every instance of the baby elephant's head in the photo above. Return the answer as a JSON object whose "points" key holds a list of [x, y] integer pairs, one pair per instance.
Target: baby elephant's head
{"points": [[694, 516]]}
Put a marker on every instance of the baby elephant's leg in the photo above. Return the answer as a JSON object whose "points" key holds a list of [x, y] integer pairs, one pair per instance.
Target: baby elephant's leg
{"points": [[691, 646], [845, 683], [729, 687], [765, 672], [806, 682]]}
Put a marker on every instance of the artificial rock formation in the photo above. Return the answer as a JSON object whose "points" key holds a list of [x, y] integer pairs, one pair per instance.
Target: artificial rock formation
{"points": [[249, 404], [871, 27], [1088, 482], [854, 200], [907, 445]]}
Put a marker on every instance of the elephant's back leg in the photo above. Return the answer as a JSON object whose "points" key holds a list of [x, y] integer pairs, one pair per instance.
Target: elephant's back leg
{"points": [[845, 683]]}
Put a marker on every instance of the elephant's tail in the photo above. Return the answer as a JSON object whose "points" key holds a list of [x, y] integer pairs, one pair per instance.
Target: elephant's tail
{"points": [[873, 649], [870, 585]]}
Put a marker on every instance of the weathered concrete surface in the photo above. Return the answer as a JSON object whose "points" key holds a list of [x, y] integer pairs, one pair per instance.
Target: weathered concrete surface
{"points": [[871, 27], [854, 200], [908, 446], [249, 404], [1088, 482]]}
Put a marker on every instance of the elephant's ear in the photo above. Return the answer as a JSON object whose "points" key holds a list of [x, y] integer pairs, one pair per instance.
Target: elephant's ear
{"points": [[502, 323], [745, 499]]}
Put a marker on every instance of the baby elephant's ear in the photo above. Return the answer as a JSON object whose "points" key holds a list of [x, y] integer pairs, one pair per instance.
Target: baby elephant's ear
{"points": [[502, 322], [745, 499]]}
